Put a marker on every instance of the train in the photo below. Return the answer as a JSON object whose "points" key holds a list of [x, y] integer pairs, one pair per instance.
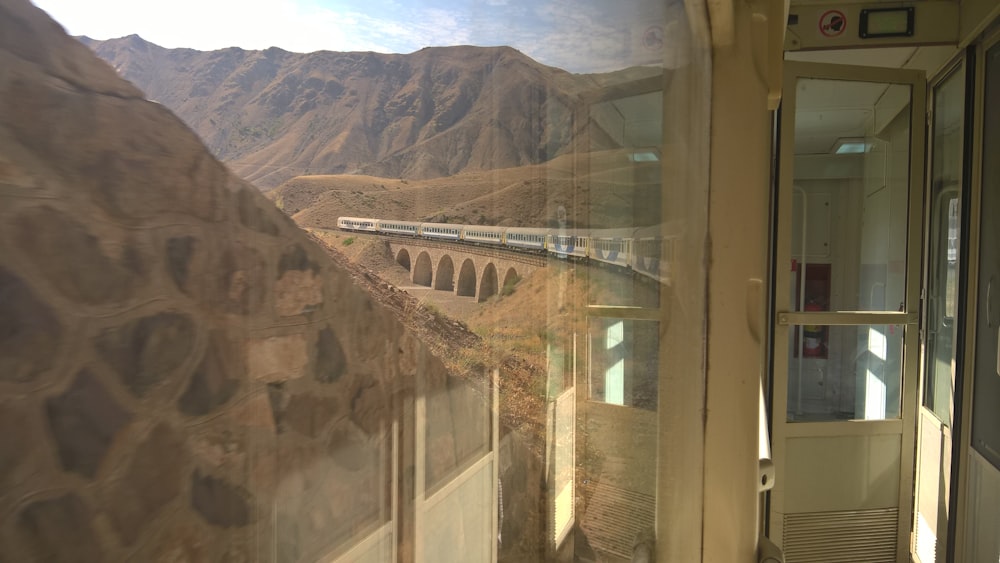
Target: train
{"points": [[643, 250]]}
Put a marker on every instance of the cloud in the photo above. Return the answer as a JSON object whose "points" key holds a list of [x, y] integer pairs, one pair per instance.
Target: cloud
{"points": [[578, 35]]}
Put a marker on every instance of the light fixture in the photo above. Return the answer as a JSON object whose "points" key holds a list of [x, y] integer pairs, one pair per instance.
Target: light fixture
{"points": [[851, 145], [645, 156]]}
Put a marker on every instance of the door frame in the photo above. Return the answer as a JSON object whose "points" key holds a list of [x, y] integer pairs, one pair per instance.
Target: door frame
{"points": [[783, 320]]}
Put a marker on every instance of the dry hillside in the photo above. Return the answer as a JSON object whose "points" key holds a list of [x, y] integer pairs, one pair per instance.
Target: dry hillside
{"points": [[522, 196], [272, 115]]}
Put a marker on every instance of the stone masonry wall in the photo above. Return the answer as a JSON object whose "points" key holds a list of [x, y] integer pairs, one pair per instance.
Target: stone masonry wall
{"points": [[183, 376]]}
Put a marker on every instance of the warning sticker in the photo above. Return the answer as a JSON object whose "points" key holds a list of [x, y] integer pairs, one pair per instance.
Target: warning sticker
{"points": [[832, 23]]}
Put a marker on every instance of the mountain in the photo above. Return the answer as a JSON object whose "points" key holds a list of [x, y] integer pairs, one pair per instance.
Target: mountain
{"points": [[272, 115], [526, 196]]}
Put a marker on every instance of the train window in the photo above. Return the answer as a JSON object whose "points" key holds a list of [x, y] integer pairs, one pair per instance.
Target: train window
{"points": [[469, 401], [855, 223], [848, 246], [942, 271], [845, 373]]}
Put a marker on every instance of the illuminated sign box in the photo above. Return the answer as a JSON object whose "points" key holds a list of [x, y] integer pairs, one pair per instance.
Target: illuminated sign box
{"points": [[886, 22]]}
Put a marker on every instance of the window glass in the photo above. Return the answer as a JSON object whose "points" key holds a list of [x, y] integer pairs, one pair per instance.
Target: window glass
{"points": [[428, 302], [850, 201], [845, 373], [943, 246], [850, 206], [985, 417]]}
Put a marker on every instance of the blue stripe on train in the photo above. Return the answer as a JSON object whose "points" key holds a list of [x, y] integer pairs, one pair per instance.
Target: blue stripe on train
{"points": [[612, 255]]}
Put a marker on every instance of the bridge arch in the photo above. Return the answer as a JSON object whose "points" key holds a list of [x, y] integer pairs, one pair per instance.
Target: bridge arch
{"points": [[467, 279], [403, 258], [444, 274], [461, 269], [488, 286], [510, 278], [422, 272]]}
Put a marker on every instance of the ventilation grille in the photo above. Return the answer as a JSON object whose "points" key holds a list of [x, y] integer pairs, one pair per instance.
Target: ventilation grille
{"points": [[841, 537], [614, 518]]}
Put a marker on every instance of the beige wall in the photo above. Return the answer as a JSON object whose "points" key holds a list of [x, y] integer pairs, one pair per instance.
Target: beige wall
{"points": [[975, 16]]}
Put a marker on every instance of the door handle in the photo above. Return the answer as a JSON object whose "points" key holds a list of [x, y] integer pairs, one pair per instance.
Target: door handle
{"points": [[989, 303]]}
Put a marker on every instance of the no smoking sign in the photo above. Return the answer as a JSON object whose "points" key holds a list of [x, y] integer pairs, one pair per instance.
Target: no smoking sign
{"points": [[832, 23]]}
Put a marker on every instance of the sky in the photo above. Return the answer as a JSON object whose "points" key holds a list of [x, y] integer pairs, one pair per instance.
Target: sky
{"points": [[576, 35]]}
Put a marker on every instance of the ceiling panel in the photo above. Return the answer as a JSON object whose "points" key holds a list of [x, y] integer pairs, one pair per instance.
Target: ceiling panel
{"points": [[927, 59]]}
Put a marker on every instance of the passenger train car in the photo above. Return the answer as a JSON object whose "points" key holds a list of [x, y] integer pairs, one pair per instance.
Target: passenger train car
{"points": [[639, 249]]}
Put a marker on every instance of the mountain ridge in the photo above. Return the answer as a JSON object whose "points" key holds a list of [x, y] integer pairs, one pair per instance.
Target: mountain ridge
{"points": [[272, 114]]}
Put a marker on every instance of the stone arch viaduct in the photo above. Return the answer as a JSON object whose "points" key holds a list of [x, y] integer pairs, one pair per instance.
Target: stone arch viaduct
{"points": [[467, 270]]}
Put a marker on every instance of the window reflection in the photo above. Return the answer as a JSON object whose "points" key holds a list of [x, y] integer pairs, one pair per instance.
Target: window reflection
{"points": [[860, 379], [622, 368], [466, 402], [849, 208]]}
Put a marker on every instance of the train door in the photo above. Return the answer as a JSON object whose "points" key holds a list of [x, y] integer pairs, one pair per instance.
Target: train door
{"points": [[943, 315], [982, 494], [845, 351]]}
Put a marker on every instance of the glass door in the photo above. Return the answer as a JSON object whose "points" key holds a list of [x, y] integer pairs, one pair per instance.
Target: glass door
{"points": [[845, 324], [982, 492], [943, 317]]}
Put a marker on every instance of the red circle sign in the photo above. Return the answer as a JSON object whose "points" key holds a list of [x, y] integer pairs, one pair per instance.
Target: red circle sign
{"points": [[832, 23]]}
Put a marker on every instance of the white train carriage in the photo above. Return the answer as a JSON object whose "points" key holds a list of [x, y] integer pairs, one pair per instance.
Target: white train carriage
{"points": [[611, 249], [482, 234], [441, 231], [652, 253], [567, 243], [409, 228], [526, 237], [358, 224]]}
